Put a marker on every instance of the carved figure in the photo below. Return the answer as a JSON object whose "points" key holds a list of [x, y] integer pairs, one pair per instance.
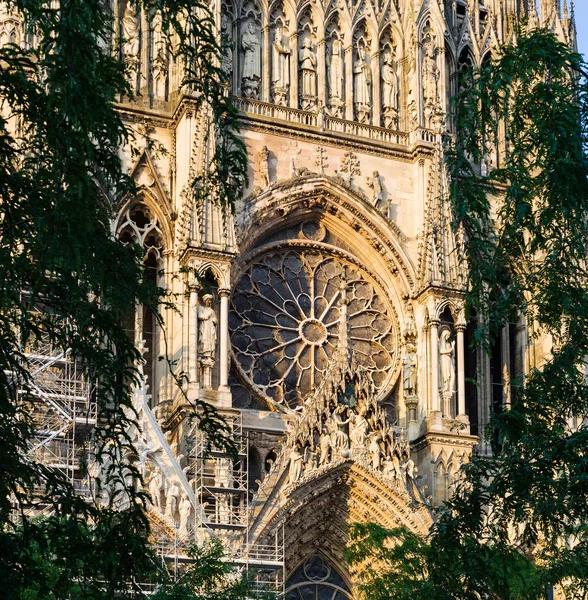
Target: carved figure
{"points": [[375, 451], [411, 469], [223, 475], [207, 323], [223, 510], [159, 67], [296, 465], [265, 181], [226, 46], [336, 78], [251, 62], [130, 27], [155, 487], [339, 438], [362, 82], [280, 66], [359, 431], [389, 90], [430, 83], [409, 369], [185, 511], [325, 446], [375, 184], [446, 369], [307, 59], [172, 500]]}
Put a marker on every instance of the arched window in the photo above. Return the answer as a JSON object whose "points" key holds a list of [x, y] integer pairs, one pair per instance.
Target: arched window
{"points": [[316, 578]]}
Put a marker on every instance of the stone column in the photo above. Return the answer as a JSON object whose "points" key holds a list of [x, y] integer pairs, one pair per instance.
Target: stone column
{"points": [[193, 335], [376, 90], [224, 339], [265, 87], [435, 366], [349, 99], [294, 100], [321, 73], [460, 369]]}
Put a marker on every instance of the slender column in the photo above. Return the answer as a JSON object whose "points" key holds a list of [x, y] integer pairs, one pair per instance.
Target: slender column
{"points": [[138, 321], [321, 75], [193, 335], [224, 338], [505, 361], [349, 99], [265, 87], [376, 93], [435, 365], [294, 100], [460, 369]]}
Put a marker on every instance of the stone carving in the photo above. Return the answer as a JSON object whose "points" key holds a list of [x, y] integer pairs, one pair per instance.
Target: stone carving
{"points": [[336, 78], [375, 184], [172, 500], [350, 165], [159, 64], [307, 58], [389, 90], [280, 67], [10, 28], [430, 84], [185, 512], [325, 447], [155, 488], [207, 323], [251, 75], [321, 158], [375, 451], [409, 370], [223, 473], [296, 465], [264, 175], [226, 46], [362, 76], [359, 431], [131, 42], [446, 370]]}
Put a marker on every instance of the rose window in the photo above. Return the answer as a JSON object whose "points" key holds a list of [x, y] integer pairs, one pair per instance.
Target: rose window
{"points": [[286, 321]]}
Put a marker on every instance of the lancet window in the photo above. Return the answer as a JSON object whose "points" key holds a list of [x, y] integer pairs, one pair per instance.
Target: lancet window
{"points": [[316, 578]]}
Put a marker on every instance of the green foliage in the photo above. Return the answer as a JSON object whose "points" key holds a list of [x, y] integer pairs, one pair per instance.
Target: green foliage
{"points": [[64, 280], [518, 520]]}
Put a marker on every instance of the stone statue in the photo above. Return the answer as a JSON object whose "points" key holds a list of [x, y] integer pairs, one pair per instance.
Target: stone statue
{"points": [[296, 464], [374, 182], [389, 90], [265, 182], [375, 451], [410, 469], [172, 500], [325, 446], [185, 511], [430, 83], [223, 474], [446, 369], [159, 64], [359, 431], [155, 487], [362, 82], [307, 59], [223, 509], [207, 324], [226, 46], [131, 41], [280, 67], [336, 78], [251, 62], [409, 369], [339, 438]]}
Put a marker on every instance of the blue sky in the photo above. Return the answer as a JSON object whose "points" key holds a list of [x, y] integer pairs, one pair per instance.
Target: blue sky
{"points": [[582, 26]]}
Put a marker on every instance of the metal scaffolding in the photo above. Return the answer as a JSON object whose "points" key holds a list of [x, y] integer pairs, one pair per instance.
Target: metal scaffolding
{"points": [[221, 487]]}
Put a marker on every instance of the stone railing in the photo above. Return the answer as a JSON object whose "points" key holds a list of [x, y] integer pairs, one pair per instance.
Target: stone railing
{"points": [[325, 123]]}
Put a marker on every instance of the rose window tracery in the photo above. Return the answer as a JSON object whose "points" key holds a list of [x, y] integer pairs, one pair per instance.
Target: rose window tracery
{"points": [[286, 321]]}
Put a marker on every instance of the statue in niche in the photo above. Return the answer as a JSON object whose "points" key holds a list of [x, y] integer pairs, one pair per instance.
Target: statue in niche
{"points": [[130, 29], [389, 90], [223, 509], [280, 67], [325, 447], [339, 438], [155, 487], [172, 500], [226, 46], [185, 511], [296, 465], [362, 75], [375, 184], [336, 77], [223, 474], [430, 83], [359, 431], [409, 369], [159, 68], [375, 451], [264, 176], [446, 370], [251, 62], [307, 58], [207, 323]]}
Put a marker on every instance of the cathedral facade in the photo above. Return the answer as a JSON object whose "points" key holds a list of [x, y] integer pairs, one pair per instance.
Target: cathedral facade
{"points": [[324, 317]]}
